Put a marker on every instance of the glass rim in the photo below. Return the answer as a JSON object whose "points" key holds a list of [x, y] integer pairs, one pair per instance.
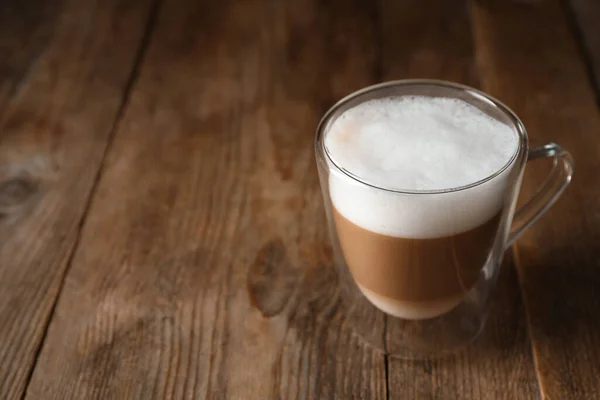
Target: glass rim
{"points": [[497, 104]]}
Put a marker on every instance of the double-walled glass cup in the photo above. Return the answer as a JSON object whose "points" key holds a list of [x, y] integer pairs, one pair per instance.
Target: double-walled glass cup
{"points": [[416, 295]]}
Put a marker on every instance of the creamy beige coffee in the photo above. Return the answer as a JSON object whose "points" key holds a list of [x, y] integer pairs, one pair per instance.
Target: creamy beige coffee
{"points": [[413, 254]]}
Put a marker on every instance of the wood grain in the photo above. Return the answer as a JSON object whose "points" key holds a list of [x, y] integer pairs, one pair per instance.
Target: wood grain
{"points": [[203, 269], [538, 72], [63, 76], [25, 29], [586, 18], [431, 40]]}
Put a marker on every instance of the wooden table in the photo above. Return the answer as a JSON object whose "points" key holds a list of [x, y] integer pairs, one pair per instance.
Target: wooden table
{"points": [[162, 231]]}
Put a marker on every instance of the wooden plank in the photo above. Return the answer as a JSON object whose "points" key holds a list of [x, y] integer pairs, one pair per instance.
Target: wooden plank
{"points": [[203, 269], [25, 29], [586, 14], [431, 39], [529, 59], [63, 71]]}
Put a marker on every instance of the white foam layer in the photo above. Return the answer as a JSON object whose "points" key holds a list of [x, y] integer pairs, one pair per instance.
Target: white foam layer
{"points": [[414, 310], [416, 144], [419, 143]]}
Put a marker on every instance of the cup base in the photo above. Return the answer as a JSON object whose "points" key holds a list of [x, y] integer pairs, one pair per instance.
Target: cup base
{"points": [[411, 310]]}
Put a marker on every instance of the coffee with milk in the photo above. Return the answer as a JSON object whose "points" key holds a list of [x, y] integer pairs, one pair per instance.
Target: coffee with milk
{"points": [[418, 198]]}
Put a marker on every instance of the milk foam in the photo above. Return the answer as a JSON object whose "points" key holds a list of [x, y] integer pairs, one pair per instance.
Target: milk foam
{"points": [[414, 143]]}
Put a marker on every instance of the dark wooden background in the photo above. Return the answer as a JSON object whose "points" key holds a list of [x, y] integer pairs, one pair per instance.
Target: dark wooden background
{"points": [[161, 226]]}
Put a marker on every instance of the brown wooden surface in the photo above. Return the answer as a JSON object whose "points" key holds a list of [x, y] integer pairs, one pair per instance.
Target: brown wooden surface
{"points": [[63, 75], [585, 15], [209, 190], [191, 260]]}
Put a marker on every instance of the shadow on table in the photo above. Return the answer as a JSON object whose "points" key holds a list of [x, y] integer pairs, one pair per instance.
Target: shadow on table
{"points": [[562, 286]]}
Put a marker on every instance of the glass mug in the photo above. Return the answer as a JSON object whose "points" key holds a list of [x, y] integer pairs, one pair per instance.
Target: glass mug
{"points": [[422, 297]]}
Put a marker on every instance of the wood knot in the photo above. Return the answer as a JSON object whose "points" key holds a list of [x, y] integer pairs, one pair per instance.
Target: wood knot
{"points": [[272, 279], [16, 191]]}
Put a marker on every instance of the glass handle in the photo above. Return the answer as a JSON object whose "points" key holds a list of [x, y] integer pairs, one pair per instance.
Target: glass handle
{"points": [[549, 191]]}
